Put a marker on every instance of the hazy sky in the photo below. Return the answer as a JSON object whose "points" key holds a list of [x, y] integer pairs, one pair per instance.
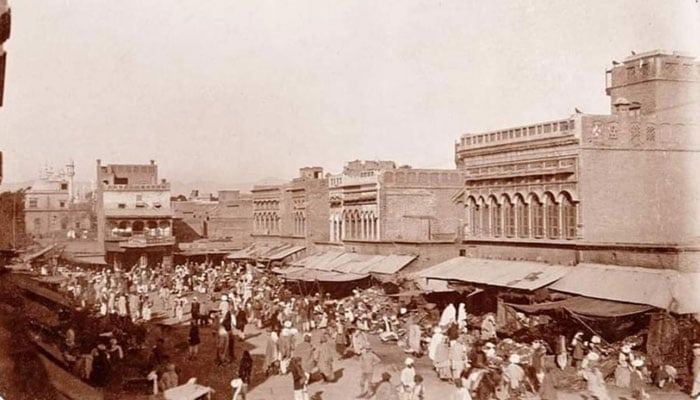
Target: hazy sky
{"points": [[235, 91]]}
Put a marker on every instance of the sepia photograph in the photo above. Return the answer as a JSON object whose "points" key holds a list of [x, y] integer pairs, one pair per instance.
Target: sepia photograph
{"points": [[338, 200]]}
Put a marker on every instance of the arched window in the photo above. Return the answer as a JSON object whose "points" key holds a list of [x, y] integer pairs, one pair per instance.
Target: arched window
{"points": [[508, 217], [473, 217], [353, 226], [485, 222], [137, 227], [537, 210], [552, 210], [569, 216], [496, 218], [523, 214], [346, 226]]}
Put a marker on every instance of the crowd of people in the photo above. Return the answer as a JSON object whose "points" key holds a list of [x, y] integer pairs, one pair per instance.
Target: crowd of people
{"points": [[473, 358]]}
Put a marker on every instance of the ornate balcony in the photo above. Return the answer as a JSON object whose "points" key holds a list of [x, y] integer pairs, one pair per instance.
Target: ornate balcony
{"points": [[543, 130]]}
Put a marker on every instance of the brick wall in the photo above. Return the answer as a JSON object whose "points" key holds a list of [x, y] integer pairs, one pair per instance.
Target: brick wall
{"points": [[416, 205], [232, 219], [637, 196], [317, 211], [57, 223], [112, 199]]}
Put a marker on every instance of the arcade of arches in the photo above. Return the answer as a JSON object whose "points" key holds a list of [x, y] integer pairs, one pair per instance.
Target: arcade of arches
{"points": [[522, 216], [354, 224], [267, 223], [299, 223], [127, 228]]}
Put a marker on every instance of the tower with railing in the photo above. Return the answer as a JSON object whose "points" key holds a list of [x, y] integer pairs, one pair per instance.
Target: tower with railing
{"points": [[665, 84]]}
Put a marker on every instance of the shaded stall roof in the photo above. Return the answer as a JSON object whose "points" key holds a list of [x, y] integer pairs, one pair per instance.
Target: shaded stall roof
{"points": [[87, 260], [39, 253], [525, 275], [312, 275], [322, 260], [433, 285], [187, 391], [265, 252], [667, 289], [354, 263], [281, 252], [204, 247], [586, 306], [80, 252]]}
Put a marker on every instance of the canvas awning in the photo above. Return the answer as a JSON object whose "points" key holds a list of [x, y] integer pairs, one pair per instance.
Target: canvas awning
{"points": [[281, 253], [243, 254], [88, 260], [312, 275], [524, 275], [188, 391], [433, 285], [670, 290], [208, 247], [36, 254], [586, 306], [265, 252], [354, 263]]}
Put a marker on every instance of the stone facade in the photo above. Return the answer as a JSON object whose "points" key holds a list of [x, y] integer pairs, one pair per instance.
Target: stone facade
{"points": [[294, 212], [599, 188], [232, 218], [377, 201], [52, 209], [192, 216], [134, 217]]}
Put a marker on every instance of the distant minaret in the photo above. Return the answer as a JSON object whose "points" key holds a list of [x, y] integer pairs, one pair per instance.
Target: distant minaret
{"points": [[70, 173]]}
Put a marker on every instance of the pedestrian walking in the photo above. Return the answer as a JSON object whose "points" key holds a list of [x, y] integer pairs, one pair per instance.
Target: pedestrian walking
{"points": [[221, 346], [461, 392], [194, 341], [385, 390], [695, 390], [595, 383], [300, 379], [325, 358], [245, 371], [637, 383], [272, 355], [368, 360]]}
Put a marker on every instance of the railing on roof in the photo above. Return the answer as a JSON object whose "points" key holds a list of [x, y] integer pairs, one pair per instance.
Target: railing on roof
{"points": [[145, 240], [128, 187], [518, 134], [363, 178]]}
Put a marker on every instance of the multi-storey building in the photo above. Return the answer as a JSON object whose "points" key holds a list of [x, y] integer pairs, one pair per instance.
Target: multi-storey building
{"points": [[190, 217], [228, 216], [134, 217], [295, 212], [52, 209], [266, 209], [376, 201], [612, 188], [232, 218]]}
